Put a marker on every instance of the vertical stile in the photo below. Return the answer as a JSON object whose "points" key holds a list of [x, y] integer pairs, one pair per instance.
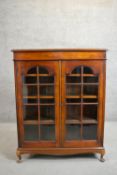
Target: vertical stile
{"points": [[65, 76], [38, 94], [82, 69]]}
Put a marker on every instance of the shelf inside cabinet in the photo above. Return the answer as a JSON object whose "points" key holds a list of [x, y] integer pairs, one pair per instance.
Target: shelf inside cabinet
{"points": [[36, 122], [30, 104], [47, 122], [89, 96], [50, 97], [89, 121], [82, 83], [84, 75], [35, 75], [31, 122], [88, 103], [39, 84], [73, 96], [33, 97], [41, 104], [73, 121], [84, 96], [86, 121]]}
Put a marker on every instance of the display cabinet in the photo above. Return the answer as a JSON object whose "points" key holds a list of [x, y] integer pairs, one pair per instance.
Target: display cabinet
{"points": [[60, 101]]}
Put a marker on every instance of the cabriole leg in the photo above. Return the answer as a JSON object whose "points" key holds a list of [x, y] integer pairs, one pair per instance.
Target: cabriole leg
{"points": [[102, 158], [18, 156]]}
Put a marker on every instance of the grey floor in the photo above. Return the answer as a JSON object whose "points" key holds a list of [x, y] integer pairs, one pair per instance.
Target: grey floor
{"points": [[50, 165]]}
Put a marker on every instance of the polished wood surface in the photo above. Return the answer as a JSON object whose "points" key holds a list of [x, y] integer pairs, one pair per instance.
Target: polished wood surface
{"points": [[60, 63], [60, 54]]}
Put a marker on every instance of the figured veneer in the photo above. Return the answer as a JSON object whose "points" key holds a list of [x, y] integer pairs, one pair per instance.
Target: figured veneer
{"points": [[60, 101]]}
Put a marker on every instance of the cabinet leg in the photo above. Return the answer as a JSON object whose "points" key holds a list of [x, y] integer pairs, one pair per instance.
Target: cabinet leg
{"points": [[102, 158], [18, 156]]}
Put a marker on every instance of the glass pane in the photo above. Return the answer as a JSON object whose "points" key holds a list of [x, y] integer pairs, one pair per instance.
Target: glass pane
{"points": [[72, 132], [90, 90], [87, 93], [38, 82], [73, 100], [90, 79], [30, 80], [32, 70], [87, 70], [48, 79], [45, 101], [89, 112], [47, 112], [73, 90], [90, 100], [42, 70], [77, 70], [31, 132], [73, 79], [73, 112], [31, 112], [26, 100], [29, 90], [47, 132], [47, 90], [90, 132]]}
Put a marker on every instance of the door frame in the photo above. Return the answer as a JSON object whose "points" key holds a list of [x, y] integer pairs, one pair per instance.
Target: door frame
{"points": [[97, 67], [21, 68]]}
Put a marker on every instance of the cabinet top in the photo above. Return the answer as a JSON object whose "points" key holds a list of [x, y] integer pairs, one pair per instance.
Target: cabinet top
{"points": [[59, 54], [59, 50]]}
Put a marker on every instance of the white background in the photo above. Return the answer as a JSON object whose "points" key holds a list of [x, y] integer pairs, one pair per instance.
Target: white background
{"points": [[56, 24]]}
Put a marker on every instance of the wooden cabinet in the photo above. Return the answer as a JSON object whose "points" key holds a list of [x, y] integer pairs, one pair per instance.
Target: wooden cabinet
{"points": [[60, 101]]}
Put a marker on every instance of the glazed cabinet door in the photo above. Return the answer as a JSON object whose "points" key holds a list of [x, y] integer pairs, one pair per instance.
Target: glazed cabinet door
{"points": [[39, 103], [82, 103]]}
